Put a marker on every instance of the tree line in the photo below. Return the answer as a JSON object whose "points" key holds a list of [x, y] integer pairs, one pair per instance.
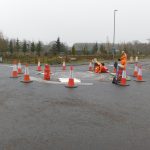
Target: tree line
{"points": [[134, 48], [18, 47]]}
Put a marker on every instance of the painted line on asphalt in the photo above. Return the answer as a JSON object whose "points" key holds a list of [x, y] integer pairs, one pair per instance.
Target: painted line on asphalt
{"points": [[55, 82]]}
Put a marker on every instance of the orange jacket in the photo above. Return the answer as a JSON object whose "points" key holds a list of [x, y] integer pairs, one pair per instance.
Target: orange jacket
{"points": [[124, 59], [98, 69]]}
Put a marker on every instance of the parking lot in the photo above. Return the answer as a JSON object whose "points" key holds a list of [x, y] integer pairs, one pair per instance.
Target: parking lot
{"points": [[98, 116]]}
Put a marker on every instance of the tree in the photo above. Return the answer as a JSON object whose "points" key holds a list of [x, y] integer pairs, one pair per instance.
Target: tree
{"points": [[24, 47], [58, 47], [4, 43], [32, 47], [39, 48], [64, 48], [17, 45], [11, 49], [54, 49], [95, 48], [85, 50], [103, 50], [73, 50]]}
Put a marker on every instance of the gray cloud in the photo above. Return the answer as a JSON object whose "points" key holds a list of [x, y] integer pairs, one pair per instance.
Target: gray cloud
{"points": [[75, 20]]}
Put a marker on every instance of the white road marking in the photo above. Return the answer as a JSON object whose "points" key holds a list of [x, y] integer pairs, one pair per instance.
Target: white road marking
{"points": [[55, 82]]}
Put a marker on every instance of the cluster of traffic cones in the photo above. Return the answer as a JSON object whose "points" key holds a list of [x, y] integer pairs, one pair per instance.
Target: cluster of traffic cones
{"points": [[137, 73], [70, 83], [17, 69]]}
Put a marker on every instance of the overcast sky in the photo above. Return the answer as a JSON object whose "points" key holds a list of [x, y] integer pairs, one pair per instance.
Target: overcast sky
{"points": [[75, 20]]}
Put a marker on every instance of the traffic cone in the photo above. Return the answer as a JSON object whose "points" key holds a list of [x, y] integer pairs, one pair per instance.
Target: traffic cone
{"points": [[26, 75], [114, 71], [14, 73], [90, 67], [39, 66], [123, 79], [135, 73], [71, 83], [47, 72], [139, 76], [19, 68], [64, 66]]}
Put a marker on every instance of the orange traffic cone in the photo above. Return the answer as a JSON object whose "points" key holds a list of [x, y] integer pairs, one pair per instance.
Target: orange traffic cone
{"points": [[135, 73], [47, 72], [26, 75], [114, 70], [139, 76], [71, 83], [14, 73], [64, 66], [90, 66], [123, 79], [19, 68], [39, 66]]}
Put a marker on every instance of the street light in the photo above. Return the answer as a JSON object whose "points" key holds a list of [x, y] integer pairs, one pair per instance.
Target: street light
{"points": [[114, 33]]}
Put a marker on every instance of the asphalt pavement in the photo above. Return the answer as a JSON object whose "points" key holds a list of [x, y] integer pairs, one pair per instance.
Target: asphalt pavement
{"points": [[102, 116]]}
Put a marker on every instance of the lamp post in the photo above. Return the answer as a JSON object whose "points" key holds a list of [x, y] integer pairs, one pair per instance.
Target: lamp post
{"points": [[113, 49]]}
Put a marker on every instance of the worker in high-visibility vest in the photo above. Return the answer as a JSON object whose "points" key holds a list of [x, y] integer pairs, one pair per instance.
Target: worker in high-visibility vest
{"points": [[122, 65], [123, 59], [99, 67]]}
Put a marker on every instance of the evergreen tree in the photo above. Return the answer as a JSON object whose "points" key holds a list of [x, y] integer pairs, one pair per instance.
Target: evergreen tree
{"points": [[17, 45], [11, 47], [39, 48], [24, 47], [32, 47], [54, 49], [95, 48], [64, 48], [73, 50], [58, 47], [4, 44]]}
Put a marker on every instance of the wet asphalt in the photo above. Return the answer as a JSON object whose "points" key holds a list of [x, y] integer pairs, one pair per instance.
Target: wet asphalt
{"points": [[103, 116]]}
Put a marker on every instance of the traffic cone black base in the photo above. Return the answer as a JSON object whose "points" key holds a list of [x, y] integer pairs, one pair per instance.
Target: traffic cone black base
{"points": [[26, 81], [71, 87], [122, 84], [139, 80]]}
